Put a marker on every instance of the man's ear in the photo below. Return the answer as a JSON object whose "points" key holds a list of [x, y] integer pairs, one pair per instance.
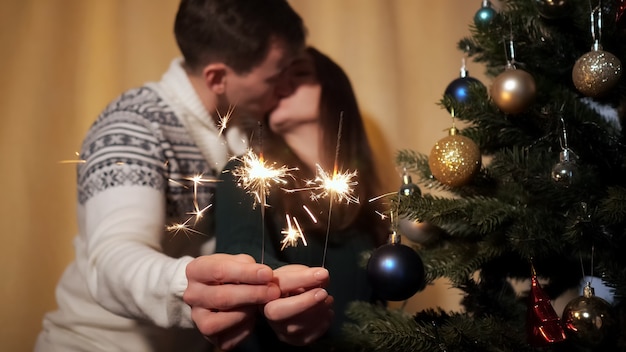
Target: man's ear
{"points": [[215, 77]]}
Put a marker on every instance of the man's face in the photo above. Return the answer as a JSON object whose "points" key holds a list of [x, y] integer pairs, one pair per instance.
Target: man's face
{"points": [[256, 92], [302, 105]]}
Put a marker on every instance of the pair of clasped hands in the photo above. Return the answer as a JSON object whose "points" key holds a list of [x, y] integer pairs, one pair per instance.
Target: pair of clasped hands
{"points": [[226, 292]]}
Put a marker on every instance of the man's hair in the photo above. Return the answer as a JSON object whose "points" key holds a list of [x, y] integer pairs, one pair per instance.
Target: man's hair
{"points": [[235, 32]]}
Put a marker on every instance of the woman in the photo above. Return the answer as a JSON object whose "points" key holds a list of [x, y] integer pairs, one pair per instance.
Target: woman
{"points": [[303, 133]]}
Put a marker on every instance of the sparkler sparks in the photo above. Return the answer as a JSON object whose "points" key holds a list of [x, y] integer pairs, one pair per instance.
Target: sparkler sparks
{"points": [[256, 177], [182, 227], [308, 211], [75, 161], [223, 120], [382, 215], [292, 234], [338, 186], [197, 213]]}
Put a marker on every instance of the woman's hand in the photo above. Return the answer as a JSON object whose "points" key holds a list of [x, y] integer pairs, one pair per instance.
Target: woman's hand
{"points": [[224, 292], [304, 311]]}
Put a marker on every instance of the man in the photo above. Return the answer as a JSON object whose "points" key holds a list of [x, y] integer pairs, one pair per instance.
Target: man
{"points": [[137, 286]]}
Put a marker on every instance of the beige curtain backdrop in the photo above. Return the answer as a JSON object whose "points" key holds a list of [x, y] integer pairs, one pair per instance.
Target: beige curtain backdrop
{"points": [[61, 61]]}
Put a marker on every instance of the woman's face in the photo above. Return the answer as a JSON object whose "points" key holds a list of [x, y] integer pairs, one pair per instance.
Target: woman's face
{"points": [[301, 105]]}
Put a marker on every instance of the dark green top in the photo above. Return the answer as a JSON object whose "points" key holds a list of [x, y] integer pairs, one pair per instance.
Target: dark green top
{"points": [[239, 230]]}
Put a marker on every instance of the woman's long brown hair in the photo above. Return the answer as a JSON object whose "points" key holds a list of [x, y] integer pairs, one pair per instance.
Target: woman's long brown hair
{"points": [[337, 99]]}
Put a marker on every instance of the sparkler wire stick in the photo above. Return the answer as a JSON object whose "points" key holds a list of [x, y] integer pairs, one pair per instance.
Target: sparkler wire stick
{"points": [[263, 197], [330, 198], [256, 177]]}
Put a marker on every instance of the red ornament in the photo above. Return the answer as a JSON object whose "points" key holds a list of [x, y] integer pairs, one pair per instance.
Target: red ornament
{"points": [[543, 324], [619, 15]]}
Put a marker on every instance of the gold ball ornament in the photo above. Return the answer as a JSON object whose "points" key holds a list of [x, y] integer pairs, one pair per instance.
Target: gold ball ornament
{"points": [[513, 90], [553, 9], [588, 320], [596, 72], [454, 159]]}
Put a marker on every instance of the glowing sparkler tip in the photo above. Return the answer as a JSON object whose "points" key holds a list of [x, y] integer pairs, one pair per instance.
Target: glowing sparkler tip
{"points": [[339, 185], [256, 176]]}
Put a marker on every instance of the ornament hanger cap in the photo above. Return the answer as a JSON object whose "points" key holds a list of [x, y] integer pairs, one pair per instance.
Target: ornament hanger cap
{"points": [[464, 72], [596, 46], [394, 238], [406, 178], [452, 131], [588, 291], [567, 156]]}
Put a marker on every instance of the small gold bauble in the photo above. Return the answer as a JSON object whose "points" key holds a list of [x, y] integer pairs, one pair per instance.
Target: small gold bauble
{"points": [[553, 9], [454, 159], [596, 72], [513, 90], [588, 320]]}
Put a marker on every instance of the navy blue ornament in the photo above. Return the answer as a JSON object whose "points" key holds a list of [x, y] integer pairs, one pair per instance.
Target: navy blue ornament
{"points": [[459, 88], [485, 15], [395, 271]]}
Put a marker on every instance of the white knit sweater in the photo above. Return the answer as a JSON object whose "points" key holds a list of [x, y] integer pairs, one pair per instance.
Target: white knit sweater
{"points": [[124, 290]]}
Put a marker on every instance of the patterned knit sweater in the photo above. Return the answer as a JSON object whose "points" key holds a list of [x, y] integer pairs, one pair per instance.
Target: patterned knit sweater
{"points": [[123, 292]]}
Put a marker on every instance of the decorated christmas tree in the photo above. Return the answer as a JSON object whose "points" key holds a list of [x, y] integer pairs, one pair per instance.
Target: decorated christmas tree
{"points": [[529, 186]]}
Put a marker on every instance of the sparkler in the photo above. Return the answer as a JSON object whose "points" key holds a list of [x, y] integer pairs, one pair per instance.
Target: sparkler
{"points": [[338, 186], [256, 177]]}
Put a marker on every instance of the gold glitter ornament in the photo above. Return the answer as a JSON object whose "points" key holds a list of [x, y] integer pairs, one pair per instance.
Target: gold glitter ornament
{"points": [[454, 159], [596, 72], [513, 90]]}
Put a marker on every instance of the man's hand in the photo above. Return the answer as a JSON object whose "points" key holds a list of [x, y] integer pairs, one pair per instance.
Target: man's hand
{"points": [[304, 311], [224, 292]]}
